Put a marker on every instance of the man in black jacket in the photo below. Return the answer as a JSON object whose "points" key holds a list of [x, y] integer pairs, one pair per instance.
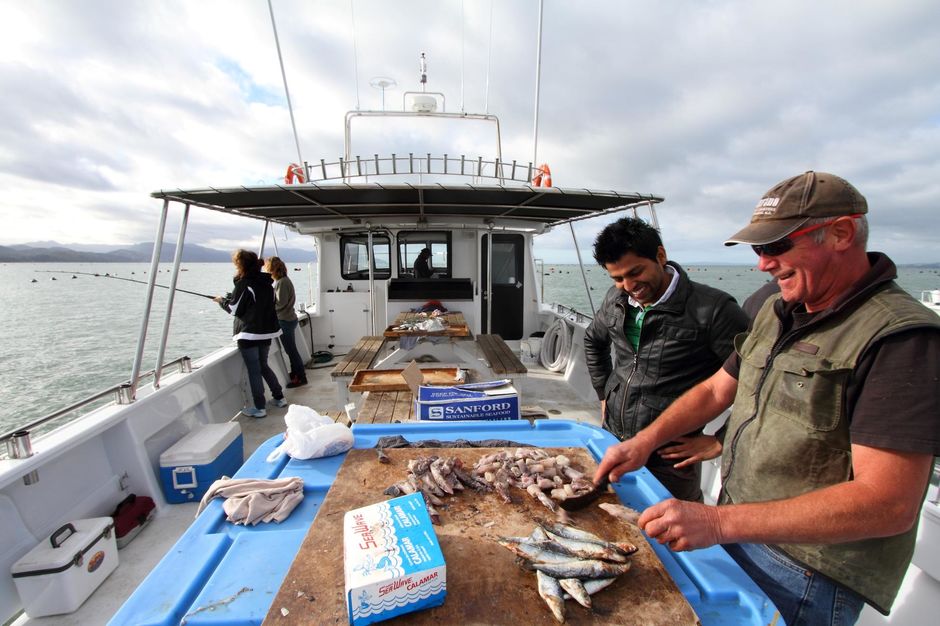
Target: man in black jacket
{"points": [[668, 334]]}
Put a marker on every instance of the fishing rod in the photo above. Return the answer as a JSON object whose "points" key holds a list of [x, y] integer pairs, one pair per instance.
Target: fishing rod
{"points": [[130, 280]]}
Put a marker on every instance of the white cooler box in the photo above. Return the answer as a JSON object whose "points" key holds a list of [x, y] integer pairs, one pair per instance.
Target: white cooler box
{"points": [[59, 574]]}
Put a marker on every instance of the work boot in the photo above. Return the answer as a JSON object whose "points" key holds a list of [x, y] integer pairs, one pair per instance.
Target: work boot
{"points": [[296, 381]]}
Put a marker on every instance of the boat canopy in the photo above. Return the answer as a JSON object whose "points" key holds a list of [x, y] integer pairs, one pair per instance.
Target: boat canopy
{"points": [[310, 207]]}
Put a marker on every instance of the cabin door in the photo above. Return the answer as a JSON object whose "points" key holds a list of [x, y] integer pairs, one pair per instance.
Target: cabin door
{"points": [[508, 291]]}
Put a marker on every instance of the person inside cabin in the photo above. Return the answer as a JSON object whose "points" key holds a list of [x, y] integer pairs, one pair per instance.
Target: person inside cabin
{"points": [[422, 266], [284, 301], [835, 421], [668, 333], [251, 302]]}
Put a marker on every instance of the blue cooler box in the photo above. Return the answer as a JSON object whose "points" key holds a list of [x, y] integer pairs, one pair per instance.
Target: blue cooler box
{"points": [[207, 453]]}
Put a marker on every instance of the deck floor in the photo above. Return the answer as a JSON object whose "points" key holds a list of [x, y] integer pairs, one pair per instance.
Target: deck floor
{"points": [[539, 389]]}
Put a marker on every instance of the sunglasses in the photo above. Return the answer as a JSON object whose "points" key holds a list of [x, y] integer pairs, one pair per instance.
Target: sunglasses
{"points": [[776, 248]]}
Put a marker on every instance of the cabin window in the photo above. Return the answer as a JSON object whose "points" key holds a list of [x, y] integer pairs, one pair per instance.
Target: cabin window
{"points": [[354, 252], [410, 244]]}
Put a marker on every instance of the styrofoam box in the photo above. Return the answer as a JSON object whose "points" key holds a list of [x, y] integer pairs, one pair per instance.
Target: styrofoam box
{"points": [[192, 464], [59, 574], [392, 560], [492, 400]]}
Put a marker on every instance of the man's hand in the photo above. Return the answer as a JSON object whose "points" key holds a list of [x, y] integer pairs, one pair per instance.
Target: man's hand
{"points": [[623, 457], [218, 299], [682, 525], [691, 450]]}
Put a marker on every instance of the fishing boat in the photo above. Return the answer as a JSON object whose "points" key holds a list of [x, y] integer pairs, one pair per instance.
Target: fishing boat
{"points": [[367, 217], [931, 299]]}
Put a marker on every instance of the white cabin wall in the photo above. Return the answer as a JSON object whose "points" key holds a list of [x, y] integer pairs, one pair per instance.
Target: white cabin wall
{"points": [[466, 264], [342, 317]]}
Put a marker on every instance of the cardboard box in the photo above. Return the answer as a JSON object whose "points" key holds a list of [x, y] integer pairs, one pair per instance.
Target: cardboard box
{"points": [[204, 455], [493, 400], [392, 560], [59, 574]]}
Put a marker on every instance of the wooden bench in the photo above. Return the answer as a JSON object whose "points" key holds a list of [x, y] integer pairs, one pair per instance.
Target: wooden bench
{"points": [[360, 357], [501, 359], [337, 416]]}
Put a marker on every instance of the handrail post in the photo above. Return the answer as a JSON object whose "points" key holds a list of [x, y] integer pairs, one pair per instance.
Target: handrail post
{"points": [[264, 238], [148, 302], [587, 288], [177, 258], [19, 446], [489, 280], [371, 262]]}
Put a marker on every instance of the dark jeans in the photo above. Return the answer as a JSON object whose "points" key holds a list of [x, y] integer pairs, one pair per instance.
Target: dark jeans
{"points": [[683, 483], [289, 341], [803, 597], [255, 355]]}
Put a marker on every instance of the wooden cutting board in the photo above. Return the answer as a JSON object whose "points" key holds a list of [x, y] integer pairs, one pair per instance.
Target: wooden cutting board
{"points": [[484, 585]]}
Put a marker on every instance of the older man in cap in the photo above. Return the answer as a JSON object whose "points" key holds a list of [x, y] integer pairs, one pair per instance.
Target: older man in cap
{"points": [[836, 417]]}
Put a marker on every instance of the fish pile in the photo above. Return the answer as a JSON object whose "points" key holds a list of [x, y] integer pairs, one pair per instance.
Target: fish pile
{"points": [[436, 478], [569, 563], [534, 471]]}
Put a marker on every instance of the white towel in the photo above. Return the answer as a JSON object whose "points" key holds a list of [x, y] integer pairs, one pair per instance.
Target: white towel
{"points": [[251, 500]]}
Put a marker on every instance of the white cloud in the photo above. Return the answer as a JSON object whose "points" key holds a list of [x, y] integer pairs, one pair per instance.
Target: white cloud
{"points": [[705, 103]]}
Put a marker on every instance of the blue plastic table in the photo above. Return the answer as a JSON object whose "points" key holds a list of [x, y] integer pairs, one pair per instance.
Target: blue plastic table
{"points": [[221, 574]]}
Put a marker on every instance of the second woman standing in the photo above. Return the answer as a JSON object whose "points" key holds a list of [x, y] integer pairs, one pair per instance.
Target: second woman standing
{"points": [[287, 318]]}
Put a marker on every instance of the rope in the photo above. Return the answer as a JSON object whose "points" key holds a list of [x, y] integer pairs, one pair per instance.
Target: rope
{"points": [[556, 346]]}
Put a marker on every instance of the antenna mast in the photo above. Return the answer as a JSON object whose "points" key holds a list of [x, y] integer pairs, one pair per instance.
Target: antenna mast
{"points": [[290, 108], [538, 75]]}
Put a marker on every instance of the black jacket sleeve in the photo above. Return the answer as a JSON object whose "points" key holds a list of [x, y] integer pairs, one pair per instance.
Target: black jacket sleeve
{"points": [[597, 352]]}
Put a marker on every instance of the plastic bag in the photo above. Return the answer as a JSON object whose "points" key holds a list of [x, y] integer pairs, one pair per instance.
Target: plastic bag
{"points": [[311, 436]]}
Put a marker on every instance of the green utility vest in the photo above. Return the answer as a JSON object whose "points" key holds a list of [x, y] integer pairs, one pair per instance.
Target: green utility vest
{"points": [[788, 433]]}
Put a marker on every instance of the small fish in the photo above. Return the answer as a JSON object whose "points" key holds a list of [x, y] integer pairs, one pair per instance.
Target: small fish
{"points": [[532, 553], [576, 589], [623, 513], [551, 592], [593, 585], [570, 532], [584, 568], [583, 549]]}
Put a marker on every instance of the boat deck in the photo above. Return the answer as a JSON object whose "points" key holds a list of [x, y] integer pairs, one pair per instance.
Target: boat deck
{"points": [[540, 394]]}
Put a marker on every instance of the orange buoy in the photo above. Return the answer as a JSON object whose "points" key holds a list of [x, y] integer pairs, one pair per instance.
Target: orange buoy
{"points": [[295, 174], [543, 176]]}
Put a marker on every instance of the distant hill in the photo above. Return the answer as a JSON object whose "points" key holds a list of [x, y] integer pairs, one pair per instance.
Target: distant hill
{"points": [[53, 252]]}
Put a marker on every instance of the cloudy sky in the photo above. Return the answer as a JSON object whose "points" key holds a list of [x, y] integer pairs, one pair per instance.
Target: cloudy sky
{"points": [[707, 103]]}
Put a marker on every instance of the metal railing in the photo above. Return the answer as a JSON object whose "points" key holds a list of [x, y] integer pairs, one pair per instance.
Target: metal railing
{"points": [[572, 315], [422, 164], [120, 394]]}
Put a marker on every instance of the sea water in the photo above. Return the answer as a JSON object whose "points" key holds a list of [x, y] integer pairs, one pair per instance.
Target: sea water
{"points": [[66, 339]]}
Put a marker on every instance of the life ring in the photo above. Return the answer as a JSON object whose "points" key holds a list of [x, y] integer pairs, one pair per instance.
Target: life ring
{"points": [[295, 173], [543, 176]]}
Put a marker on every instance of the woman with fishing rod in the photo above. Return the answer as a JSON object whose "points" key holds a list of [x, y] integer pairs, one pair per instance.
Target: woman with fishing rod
{"points": [[255, 325], [284, 300]]}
